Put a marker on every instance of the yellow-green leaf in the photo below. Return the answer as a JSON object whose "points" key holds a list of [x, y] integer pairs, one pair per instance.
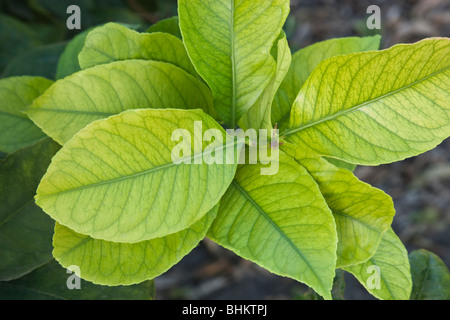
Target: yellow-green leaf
{"points": [[304, 61], [49, 282], [109, 263], [376, 107], [116, 180], [281, 222], [108, 89], [362, 213], [114, 42], [387, 274], [259, 115], [229, 43]]}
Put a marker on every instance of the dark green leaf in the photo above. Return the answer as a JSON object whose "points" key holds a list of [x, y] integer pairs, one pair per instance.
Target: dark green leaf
{"points": [[25, 230], [49, 282], [430, 275], [15, 37], [40, 61]]}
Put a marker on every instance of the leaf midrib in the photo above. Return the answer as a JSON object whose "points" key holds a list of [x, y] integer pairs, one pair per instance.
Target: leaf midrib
{"points": [[275, 226], [338, 114], [233, 66], [134, 175], [93, 113], [419, 295], [16, 212]]}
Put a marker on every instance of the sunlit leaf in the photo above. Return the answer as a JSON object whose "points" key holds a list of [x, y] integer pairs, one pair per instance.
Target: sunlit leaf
{"points": [[229, 43], [376, 107]]}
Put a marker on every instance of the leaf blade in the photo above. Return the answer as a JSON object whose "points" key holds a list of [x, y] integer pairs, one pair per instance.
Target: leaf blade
{"points": [[104, 90], [17, 93], [259, 115], [108, 263], [295, 238], [114, 42], [126, 173], [169, 25], [25, 230], [375, 88], [304, 62], [394, 270], [362, 213], [49, 283], [216, 36], [430, 276]]}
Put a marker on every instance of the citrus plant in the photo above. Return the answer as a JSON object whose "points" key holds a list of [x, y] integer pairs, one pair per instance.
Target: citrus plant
{"points": [[101, 137]]}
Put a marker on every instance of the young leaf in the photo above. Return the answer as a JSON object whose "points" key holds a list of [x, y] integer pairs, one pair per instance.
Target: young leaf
{"points": [[25, 231], [376, 107], [113, 42], [304, 62], [169, 25], [341, 164], [49, 282], [386, 275], [362, 213], [229, 43], [68, 61], [259, 115], [17, 93], [109, 263], [281, 222], [430, 276], [132, 190], [104, 90]]}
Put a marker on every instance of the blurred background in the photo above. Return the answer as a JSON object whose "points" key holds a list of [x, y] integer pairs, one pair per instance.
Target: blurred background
{"points": [[420, 186]]}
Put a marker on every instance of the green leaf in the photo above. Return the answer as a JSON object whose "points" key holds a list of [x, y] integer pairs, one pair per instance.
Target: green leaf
{"points": [[40, 61], [113, 264], [15, 37], [341, 164], [229, 43], [430, 276], [338, 290], [376, 107], [362, 213], [133, 190], [105, 90], [304, 62], [281, 222], [17, 93], [113, 42], [259, 115], [25, 231], [68, 61], [49, 282], [387, 274], [169, 25]]}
